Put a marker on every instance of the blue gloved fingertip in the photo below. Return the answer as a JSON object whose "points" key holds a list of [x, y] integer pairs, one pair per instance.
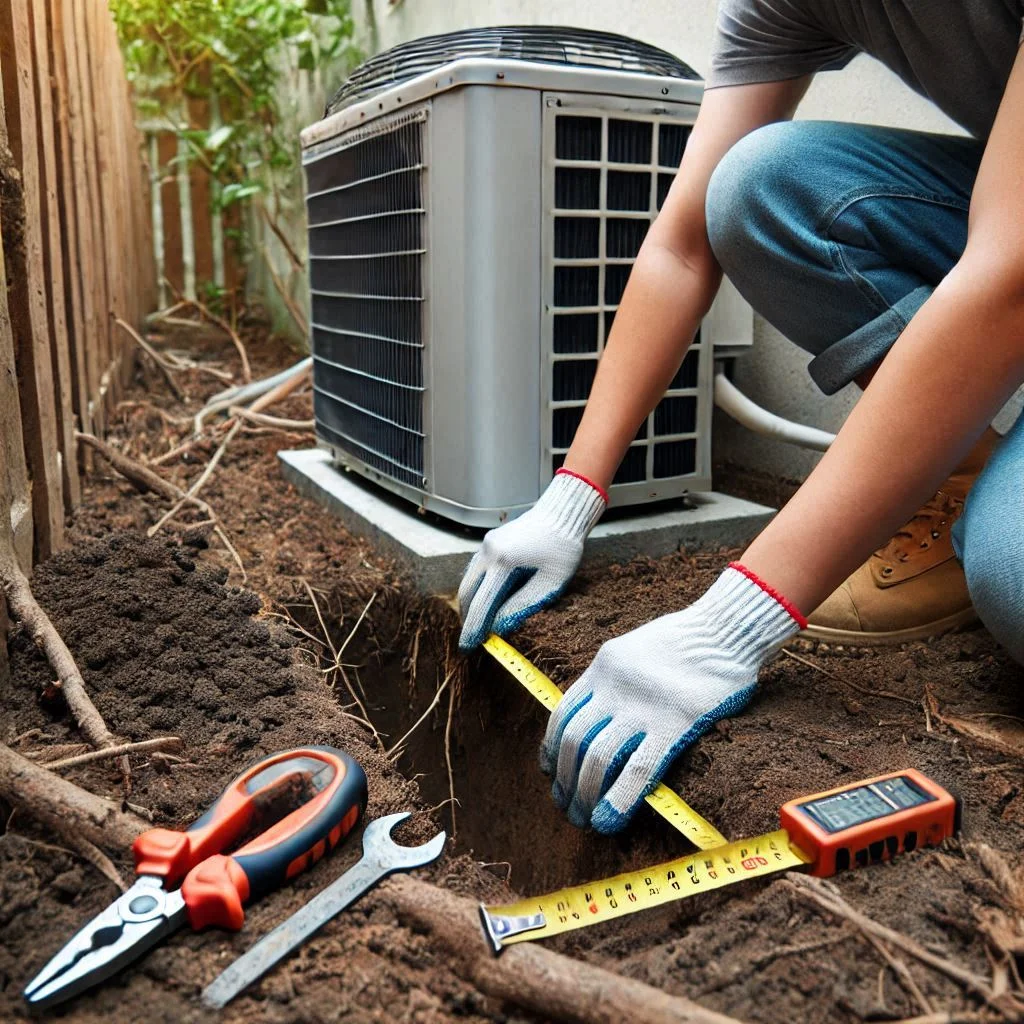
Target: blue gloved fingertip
{"points": [[608, 821], [558, 795], [510, 623]]}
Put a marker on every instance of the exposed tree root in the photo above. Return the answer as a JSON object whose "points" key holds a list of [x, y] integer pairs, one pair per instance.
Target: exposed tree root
{"points": [[64, 807], [23, 606], [550, 985]]}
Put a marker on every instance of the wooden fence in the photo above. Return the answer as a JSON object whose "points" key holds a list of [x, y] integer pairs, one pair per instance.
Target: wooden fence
{"points": [[76, 253]]}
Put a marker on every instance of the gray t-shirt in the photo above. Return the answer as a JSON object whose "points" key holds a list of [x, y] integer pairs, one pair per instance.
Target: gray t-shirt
{"points": [[958, 53]]}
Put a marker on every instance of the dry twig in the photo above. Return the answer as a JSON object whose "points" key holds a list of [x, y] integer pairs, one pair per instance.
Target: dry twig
{"points": [[816, 891], [887, 694], [396, 751], [448, 757], [190, 494], [159, 743], [902, 972]]}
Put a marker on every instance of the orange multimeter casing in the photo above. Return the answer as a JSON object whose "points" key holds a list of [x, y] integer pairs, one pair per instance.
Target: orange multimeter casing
{"points": [[870, 821]]}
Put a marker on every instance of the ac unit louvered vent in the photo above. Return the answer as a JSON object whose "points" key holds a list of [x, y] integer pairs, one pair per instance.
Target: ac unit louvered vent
{"points": [[609, 176], [366, 207], [540, 44]]}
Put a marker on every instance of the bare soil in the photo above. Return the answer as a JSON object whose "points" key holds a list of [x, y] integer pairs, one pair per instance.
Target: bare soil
{"points": [[171, 641]]}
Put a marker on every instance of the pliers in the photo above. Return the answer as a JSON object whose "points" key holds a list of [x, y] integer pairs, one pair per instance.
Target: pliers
{"points": [[185, 876]]}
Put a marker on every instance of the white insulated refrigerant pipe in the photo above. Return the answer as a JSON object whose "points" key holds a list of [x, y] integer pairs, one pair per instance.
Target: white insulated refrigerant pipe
{"points": [[749, 414]]}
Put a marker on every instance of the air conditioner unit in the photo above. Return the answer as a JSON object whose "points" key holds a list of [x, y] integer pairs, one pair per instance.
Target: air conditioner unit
{"points": [[475, 203]]}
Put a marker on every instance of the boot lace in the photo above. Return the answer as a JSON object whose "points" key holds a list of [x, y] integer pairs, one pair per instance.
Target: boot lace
{"points": [[927, 525]]}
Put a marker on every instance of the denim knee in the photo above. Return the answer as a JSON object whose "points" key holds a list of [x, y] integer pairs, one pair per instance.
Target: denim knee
{"points": [[746, 194], [987, 538]]}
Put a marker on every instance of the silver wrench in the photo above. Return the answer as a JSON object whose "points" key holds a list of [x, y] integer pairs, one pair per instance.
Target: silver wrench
{"points": [[382, 856]]}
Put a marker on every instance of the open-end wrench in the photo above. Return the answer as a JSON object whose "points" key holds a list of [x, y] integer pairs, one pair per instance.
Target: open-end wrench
{"points": [[382, 856]]}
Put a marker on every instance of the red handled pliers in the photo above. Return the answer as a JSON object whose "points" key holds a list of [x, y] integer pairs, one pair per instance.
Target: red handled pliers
{"points": [[213, 887]]}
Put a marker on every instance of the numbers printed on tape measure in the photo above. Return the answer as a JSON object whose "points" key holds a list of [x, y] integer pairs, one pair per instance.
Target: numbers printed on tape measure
{"points": [[668, 804], [582, 905]]}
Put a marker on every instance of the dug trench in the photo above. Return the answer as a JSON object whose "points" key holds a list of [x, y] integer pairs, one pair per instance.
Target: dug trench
{"points": [[171, 642]]}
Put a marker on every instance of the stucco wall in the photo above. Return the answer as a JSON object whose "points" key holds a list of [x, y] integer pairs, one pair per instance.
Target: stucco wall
{"points": [[774, 373]]}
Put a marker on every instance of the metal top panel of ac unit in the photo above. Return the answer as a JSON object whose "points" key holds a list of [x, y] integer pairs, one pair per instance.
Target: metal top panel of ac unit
{"points": [[577, 61]]}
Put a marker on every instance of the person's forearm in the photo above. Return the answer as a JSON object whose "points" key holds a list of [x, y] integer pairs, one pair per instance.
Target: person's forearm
{"points": [[950, 371], [664, 302]]}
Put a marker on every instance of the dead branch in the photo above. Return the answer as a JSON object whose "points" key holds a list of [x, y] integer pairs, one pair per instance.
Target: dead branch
{"points": [[172, 364], [817, 892], [212, 317], [165, 368], [285, 388], [553, 986], [296, 260], [231, 333], [293, 309], [141, 477], [270, 421], [24, 607], [160, 743], [190, 494], [64, 807]]}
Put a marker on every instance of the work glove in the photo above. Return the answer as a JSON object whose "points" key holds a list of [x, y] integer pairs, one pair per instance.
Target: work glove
{"points": [[524, 565], [652, 692]]}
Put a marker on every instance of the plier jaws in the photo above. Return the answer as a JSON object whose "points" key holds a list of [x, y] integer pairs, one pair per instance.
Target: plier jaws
{"points": [[132, 924]]}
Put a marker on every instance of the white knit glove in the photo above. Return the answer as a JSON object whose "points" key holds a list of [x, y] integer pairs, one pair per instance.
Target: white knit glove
{"points": [[524, 565], [652, 692]]}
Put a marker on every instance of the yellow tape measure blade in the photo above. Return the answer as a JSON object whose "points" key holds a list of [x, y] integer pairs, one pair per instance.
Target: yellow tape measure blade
{"points": [[668, 804], [582, 905]]}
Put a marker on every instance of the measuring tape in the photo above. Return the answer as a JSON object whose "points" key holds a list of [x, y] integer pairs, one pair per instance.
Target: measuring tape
{"points": [[852, 826], [668, 804]]}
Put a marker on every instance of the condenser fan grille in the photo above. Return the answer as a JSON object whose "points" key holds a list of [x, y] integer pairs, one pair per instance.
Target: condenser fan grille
{"points": [[535, 43], [365, 206], [609, 176]]}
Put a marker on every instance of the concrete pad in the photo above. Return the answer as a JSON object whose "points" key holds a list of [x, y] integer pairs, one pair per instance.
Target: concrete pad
{"points": [[435, 556]]}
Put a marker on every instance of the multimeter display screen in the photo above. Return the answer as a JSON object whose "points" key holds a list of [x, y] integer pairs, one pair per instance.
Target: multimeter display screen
{"points": [[865, 803]]}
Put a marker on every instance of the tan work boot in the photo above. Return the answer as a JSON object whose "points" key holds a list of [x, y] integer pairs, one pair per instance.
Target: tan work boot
{"points": [[914, 587]]}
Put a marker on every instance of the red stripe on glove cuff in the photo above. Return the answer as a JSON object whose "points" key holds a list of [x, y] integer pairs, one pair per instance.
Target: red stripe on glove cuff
{"points": [[580, 476], [799, 619]]}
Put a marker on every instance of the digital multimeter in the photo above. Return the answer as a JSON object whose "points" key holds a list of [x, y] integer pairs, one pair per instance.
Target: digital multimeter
{"points": [[870, 821]]}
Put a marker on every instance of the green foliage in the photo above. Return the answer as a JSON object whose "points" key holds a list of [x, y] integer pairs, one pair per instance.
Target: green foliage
{"points": [[215, 73]]}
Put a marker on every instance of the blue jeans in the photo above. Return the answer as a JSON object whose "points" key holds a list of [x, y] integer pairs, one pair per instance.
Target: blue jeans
{"points": [[836, 234]]}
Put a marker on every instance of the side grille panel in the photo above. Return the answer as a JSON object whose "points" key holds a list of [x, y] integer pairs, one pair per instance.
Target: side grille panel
{"points": [[606, 177], [366, 207]]}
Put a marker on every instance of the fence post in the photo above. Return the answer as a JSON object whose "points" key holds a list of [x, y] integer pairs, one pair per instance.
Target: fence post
{"points": [[26, 277]]}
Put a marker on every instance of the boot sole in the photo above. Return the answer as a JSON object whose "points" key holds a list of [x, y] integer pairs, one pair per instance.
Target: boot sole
{"points": [[864, 638]]}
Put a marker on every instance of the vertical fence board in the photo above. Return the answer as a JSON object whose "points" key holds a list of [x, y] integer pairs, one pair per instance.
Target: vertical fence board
{"points": [[14, 485], [84, 44], [85, 260], [27, 282], [69, 214], [53, 262]]}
